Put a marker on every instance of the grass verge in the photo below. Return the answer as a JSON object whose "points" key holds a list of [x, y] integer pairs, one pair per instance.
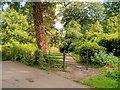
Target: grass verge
{"points": [[101, 82]]}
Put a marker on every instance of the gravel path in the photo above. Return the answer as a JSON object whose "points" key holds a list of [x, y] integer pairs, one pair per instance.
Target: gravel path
{"points": [[17, 75]]}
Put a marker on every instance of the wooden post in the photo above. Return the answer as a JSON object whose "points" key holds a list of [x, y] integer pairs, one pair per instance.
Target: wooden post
{"points": [[87, 61], [64, 60], [49, 55]]}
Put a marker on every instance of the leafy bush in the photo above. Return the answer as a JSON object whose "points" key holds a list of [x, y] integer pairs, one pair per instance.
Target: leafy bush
{"points": [[112, 73], [91, 48], [102, 59], [30, 55], [19, 52], [111, 43], [14, 26], [39, 57]]}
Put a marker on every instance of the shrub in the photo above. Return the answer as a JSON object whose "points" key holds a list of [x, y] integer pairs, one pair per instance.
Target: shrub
{"points": [[102, 59], [19, 52], [91, 48], [111, 43], [112, 73], [29, 54]]}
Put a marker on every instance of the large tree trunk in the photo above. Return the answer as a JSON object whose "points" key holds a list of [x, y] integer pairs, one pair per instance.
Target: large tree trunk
{"points": [[39, 26]]}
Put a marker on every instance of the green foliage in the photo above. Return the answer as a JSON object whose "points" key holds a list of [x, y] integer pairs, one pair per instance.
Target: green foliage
{"points": [[76, 56], [73, 30], [18, 42], [94, 36], [84, 13], [41, 57], [97, 27], [83, 31], [14, 27], [19, 52], [73, 11], [112, 25], [101, 58], [111, 8], [14, 5], [73, 34], [101, 82], [112, 43], [91, 48], [95, 32], [30, 55], [113, 73], [55, 59], [51, 61], [57, 39]]}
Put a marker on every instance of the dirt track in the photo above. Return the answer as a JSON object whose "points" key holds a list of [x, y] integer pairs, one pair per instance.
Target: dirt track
{"points": [[17, 75], [76, 71]]}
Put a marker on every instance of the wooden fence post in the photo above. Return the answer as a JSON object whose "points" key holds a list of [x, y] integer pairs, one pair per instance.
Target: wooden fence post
{"points": [[48, 56], [64, 60], [87, 61]]}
